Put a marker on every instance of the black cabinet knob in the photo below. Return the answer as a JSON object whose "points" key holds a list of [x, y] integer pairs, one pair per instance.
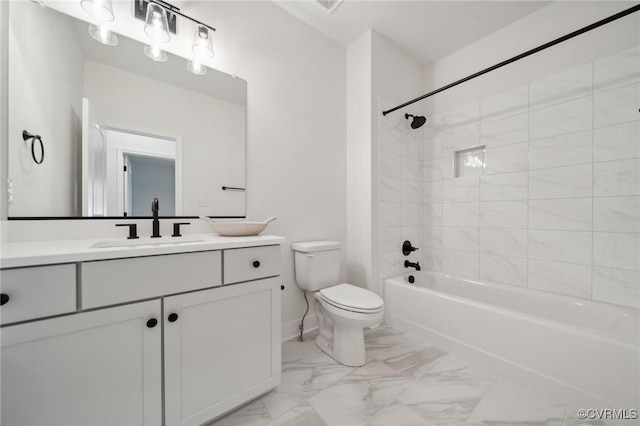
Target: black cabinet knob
{"points": [[4, 298], [256, 263], [173, 317], [152, 323]]}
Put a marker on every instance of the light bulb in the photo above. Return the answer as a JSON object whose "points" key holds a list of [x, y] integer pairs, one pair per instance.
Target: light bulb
{"points": [[103, 35], [155, 53], [196, 68]]}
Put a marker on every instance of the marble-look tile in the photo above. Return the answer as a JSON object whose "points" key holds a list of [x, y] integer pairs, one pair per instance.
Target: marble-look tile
{"points": [[411, 191], [562, 278], [507, 159], [397, 415], [561, 182], [417, 363], [385, 343], [508, 186], [359, 396], [432, 214], [571, 214], [448, 393], [616, 250], [620, 69], [448, 168], [560, 246], [302, 414], [432, 236], [506, 131], [432, 170], [503, 242], [301, 380], [617, 142], [504, 269], [616, 106], [503, 214], [508, 402], [562, 150], [433, 126], [461, 189], [388, 214], [432, 192], [561, 87], [460, 238], [431, 259], [461, 116], [616, 214], [390, 189], [252, 414], [390, 164], [410, 214], [461, 214], [411, 143], [432, 148], [572, 419], [411, 168], [295, 351], [389, 239], [390, 139], [619, 286], [511, 102], [614, 178], [460, 138], [567, 117], [391, 263], [460, 263]]}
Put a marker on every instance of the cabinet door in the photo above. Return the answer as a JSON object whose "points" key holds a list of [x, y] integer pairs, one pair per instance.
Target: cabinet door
{"points": [[94, 368], [222, 350]]}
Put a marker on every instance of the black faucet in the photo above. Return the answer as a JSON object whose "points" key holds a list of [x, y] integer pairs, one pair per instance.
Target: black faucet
{"points": [[408, 264], [156, 223]]}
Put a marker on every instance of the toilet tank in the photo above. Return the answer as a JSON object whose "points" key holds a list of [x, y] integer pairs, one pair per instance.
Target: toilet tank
{"points": [[317, 264]]}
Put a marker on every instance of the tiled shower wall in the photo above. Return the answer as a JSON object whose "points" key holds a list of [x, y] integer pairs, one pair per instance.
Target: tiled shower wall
{"points": [[557, 207]]}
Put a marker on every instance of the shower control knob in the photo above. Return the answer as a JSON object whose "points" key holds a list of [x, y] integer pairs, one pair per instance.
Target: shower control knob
{"points": [[173, 317], [407, 248]]}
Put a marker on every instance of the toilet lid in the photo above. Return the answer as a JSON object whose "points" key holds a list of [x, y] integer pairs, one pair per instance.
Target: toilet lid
{"points": [[351, 297]]}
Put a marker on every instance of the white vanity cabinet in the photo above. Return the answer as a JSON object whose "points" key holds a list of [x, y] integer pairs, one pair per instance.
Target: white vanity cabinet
{"points": [[175, 339], [222, 348], [94, 368]]}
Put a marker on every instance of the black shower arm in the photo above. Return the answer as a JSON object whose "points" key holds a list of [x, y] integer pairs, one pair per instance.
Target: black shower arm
{"points": [[521, 56]]}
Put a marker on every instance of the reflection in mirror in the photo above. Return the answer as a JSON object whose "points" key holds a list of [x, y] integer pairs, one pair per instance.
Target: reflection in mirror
{"points": [[118, 128]]}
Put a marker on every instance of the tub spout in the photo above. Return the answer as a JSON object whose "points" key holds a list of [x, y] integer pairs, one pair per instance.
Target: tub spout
{"points": [[408, 264]]}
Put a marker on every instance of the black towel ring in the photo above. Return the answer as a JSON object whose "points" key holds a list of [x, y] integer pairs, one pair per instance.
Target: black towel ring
{"points": [[26, 136]]}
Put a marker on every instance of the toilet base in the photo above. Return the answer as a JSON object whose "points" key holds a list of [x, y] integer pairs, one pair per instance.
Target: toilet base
{"points": [[355, 356]]}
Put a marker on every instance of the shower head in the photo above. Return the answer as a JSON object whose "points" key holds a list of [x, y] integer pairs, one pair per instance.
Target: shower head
{"points": [[417, 122]]}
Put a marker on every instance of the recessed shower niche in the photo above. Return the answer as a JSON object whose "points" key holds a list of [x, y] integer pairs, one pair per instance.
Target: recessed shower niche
{"points": [[470, 161]]}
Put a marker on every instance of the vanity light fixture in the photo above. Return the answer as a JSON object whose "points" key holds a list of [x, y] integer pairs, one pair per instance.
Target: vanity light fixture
{"points": [[196, 67], [156, 25], [155, 53], [202, 43], [101, 11]]}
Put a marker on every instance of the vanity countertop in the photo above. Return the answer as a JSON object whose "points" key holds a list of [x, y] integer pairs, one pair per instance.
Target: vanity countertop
{"points": [[14, 255]]}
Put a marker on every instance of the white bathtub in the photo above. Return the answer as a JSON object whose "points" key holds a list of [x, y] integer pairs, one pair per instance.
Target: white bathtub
{"points": [[587, 351]]}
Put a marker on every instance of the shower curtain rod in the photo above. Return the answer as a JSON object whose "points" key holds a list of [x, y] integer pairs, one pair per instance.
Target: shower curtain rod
{"points": [[522, 55]]}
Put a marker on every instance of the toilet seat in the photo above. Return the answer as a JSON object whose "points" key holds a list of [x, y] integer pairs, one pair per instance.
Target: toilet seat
{"points": [[351, 298]]}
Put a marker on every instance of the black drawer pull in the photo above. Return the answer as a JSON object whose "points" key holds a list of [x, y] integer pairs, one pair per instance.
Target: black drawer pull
{"points": [[152, 323], [173, 317], [256, 263], [4, 298]]}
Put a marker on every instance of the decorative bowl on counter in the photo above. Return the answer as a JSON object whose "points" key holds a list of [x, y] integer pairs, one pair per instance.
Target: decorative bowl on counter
{"points": [[237, 228]]}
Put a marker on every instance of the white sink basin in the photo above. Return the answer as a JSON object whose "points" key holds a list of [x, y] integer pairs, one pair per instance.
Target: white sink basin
{"points": [[237, 228], [147, 241]]}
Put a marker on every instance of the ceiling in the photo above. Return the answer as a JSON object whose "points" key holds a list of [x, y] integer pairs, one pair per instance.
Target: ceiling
{"points": [[426, 30]]}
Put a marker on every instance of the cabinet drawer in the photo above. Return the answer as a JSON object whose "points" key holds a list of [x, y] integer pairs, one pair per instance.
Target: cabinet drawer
{"points": [[251, 263], [37, 292], [110, 282]]}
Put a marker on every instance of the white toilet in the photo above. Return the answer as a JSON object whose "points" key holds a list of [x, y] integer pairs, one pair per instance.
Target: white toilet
{"points": [[344, 310]]}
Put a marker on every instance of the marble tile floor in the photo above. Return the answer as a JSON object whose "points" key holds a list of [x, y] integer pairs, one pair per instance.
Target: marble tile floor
{"points": [[406, 381]]}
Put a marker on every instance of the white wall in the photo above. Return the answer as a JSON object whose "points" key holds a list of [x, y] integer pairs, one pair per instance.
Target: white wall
{"points": [[54, 113], [296, 131]]}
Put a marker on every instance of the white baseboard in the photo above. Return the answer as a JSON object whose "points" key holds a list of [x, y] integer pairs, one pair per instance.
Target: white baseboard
{"points": [[290, 329]]}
